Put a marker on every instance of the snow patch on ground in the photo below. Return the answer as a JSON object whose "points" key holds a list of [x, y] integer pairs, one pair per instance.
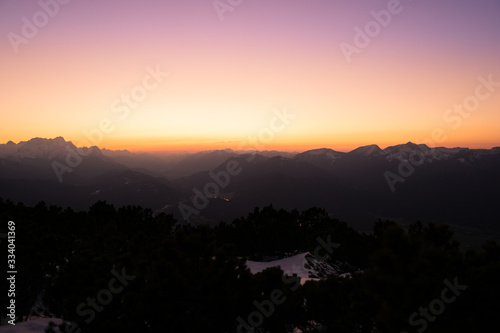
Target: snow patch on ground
{"points": [[305, 265], [31, 326]]}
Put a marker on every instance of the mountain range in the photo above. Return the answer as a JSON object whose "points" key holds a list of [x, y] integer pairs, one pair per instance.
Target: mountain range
{"points": [[405, 182]]}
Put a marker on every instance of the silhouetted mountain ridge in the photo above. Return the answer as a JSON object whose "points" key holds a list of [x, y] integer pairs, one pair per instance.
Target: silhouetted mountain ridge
{"points": [[453, 185]]}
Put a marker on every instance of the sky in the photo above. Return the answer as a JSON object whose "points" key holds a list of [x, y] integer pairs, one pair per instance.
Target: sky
{"points": [[285, 75]]}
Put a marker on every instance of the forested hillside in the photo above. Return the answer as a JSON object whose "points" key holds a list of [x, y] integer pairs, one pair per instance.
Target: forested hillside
{"points": [[125, 269]]}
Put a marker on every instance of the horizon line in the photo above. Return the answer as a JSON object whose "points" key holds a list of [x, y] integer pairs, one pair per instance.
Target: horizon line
{"points": [[293, 151]]}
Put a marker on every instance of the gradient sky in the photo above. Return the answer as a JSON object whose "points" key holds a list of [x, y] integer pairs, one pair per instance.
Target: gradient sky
{"points": [[226, 77]]}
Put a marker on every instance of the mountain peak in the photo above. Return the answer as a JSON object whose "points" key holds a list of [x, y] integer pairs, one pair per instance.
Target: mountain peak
{"points": [[59, 139], [43, 148], [40, 141], [319, 151], [370, 150], [56, 148], [319, 157]]}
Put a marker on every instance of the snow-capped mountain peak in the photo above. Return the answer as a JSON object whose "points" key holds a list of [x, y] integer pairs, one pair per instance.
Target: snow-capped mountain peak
{"points": [[326, 153], [41, 148], [370, 150]]}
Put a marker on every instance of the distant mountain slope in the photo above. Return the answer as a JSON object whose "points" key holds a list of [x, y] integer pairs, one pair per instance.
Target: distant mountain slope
{"points": [[323, 158], [46, 158], [143, 162], [368, 151], [28, 174], [453, 185], [119, 188]]}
